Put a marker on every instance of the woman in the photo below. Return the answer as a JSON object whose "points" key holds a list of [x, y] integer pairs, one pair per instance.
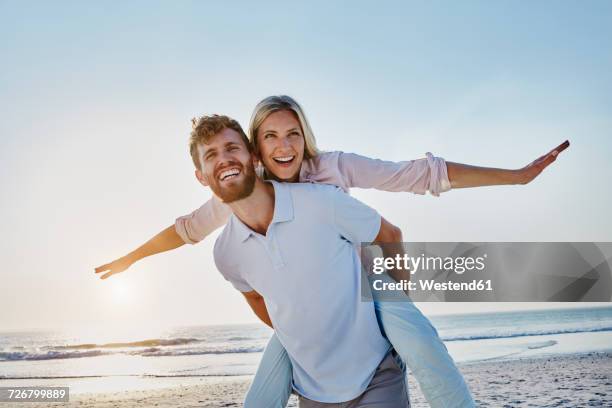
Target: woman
{"points": [[286, 147]]}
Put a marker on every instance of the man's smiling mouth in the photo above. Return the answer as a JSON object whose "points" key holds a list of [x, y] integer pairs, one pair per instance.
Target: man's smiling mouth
{"points": [[229, 174]]}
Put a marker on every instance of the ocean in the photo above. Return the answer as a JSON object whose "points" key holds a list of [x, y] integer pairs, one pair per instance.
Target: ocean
{"points": [[94, 360]]}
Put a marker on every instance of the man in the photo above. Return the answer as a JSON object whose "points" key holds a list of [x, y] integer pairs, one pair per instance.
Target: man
{"points": [[292, 245]]}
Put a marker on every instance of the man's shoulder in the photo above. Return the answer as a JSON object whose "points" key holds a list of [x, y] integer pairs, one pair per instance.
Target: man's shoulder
{"points": [[233, 268], [320, 199], [312, 197], [313, 188], [225, 242]]}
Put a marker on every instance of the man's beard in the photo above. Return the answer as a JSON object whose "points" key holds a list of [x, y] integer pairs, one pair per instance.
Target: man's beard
{"points": [[236, 191]]}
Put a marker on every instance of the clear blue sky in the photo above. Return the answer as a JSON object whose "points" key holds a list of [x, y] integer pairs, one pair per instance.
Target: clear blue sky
{"points": [[96, 101]]}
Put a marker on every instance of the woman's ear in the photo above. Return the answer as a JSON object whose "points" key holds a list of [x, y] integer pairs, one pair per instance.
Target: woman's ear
{"points": [[201, 178]]}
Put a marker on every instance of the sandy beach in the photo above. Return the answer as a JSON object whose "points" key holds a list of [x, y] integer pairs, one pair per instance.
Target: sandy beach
{"points": [[555, 381]]}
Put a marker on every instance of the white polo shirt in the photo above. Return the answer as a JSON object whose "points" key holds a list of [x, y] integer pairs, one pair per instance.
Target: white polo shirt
{"points": [[308, 272]]}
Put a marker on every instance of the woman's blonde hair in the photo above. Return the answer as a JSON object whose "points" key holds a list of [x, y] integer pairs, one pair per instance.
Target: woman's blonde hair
{"points": [[277, 103]]}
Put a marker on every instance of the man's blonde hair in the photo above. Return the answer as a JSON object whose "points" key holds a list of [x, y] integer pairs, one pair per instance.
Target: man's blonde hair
{"points": [[205, 127], [277, 103]]}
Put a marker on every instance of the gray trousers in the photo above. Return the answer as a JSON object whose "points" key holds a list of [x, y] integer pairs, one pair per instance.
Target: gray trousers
{"points": [[388, 389]]}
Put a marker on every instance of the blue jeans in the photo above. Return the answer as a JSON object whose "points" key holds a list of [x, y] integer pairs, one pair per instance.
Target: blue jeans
{"points": [[416, 342]]}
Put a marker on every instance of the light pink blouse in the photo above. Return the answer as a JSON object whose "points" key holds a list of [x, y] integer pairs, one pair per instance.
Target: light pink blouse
{"points": [[344, 170]]}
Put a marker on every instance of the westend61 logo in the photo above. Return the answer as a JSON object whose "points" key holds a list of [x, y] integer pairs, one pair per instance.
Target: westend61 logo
{"points": [[405, 262], [487, 271]]}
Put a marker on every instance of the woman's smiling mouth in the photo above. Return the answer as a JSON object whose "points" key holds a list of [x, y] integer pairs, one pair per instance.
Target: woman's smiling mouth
{"points": [[284, 160]]}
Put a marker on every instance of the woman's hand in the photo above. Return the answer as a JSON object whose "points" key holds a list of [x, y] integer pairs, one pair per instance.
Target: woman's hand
{"points": [[117, 266], [533, 169]]}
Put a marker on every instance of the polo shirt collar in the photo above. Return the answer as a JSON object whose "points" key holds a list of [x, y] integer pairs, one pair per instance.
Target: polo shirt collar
{"points": [[283, 210], [283, 202], [242, 231]]}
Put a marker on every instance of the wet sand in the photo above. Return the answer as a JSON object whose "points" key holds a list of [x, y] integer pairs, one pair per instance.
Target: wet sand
{"points": [[556, 381]]}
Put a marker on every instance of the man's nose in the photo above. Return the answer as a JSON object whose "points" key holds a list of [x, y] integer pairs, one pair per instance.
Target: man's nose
{"points": [[224, 158]]}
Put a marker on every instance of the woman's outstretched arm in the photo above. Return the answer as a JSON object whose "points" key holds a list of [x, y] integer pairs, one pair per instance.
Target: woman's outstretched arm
{"points": [[166, 240], [419, 176], [188, 229], [463, 175]]}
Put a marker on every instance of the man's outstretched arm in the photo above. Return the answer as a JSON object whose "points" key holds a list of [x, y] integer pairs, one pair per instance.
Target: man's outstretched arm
{"points": [[166, 240], [256, 301]]}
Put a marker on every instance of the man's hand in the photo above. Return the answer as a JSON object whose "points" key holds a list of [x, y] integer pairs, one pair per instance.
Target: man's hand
{"points": [[533, 169], [117, 266]]}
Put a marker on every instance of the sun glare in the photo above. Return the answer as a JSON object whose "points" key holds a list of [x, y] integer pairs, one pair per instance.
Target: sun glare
{"points": [[120, 292]]}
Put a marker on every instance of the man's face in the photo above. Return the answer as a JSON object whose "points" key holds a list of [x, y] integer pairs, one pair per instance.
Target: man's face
{"points": [[227, 166]]}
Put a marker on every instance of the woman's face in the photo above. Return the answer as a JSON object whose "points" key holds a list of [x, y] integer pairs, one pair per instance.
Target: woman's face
{"points": [[280, 143]]}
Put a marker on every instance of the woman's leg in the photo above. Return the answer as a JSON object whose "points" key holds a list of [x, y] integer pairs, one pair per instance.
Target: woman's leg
{"points": [[271, 386], [418, 344]]}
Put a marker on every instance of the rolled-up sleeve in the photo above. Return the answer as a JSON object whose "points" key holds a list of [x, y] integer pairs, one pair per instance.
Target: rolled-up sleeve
{"points": [[416, 176], [194, 227]]}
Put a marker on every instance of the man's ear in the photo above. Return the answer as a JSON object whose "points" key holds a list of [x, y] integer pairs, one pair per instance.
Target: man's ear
{"points": [[201, 178], [255, 159]]}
